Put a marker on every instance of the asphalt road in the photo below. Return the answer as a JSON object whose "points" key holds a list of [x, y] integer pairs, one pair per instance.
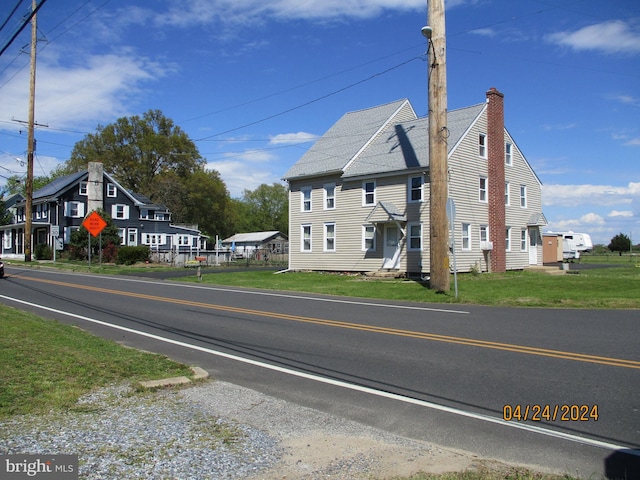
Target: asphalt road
{"points": [[441, 373]]}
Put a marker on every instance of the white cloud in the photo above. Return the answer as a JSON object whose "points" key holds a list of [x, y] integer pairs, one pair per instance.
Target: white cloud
{"points": [[238, 177], [574, 195], [616, 213], [98, 89], [614, 36], [292, 138]]}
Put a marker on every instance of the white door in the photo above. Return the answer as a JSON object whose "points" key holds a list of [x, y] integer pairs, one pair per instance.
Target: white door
{"points": [[533, 246], [391, 247]]}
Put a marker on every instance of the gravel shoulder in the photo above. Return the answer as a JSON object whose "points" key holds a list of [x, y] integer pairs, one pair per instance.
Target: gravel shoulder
{"points": [[214, 429]]}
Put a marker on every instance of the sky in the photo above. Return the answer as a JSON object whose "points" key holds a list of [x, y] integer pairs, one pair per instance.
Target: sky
{"points": [[253, 83]]}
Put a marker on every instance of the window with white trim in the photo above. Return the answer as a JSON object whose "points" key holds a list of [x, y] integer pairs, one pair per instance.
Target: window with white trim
{"points": [[111, 190], [305, 194], [368, 238], [122, 233], [83, 189], [132, 237], [484, 233], [368, 193], [508, 153], [415, 189], [507, 194], [120, 211], [523, 240], [305, 242], [329, 237], [523, 196], [482, 145], [466, 236], [74, 209], [482, 190], [184, 240], [7, 239], [507, 238], [330, 196], [415, 236]]}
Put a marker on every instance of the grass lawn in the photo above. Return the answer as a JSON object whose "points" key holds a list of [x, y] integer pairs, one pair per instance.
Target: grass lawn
{"points": [[47, 365], [612, 287]]}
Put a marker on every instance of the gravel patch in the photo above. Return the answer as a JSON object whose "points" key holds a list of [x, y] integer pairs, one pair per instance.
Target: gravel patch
{"points": [[216, 430]]}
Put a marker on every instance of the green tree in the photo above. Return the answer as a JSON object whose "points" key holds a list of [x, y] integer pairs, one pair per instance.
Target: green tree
{"points": [[265, 208], [620, 243], [139, 151]]}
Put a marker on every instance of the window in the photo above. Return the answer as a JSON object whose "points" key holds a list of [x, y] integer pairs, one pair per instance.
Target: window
{"points": [[7, 239], [74, 209], [83, 189], [329, 237], [507, 244], [415, 189], [523, 239], [415, 236], [483, 189], [132, 236], [482, 145], [368, 237], [523, 196], [507, 194], [122, 233], [120, 212], [305, 244], [184, 240], [306, 199], [484, 233], [466, 236], [111, 190], [330, 196], [508, 154], [144, 214], [368, 193]]}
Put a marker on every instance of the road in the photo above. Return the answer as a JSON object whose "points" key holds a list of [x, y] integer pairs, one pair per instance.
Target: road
{"points": [[446, 374]]}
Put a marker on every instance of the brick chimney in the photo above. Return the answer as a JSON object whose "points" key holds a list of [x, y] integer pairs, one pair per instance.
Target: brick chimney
{"points": [[495, 163]]}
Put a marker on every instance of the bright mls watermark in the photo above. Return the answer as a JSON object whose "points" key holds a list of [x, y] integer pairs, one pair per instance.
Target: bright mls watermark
{"points": [[49, 467]]}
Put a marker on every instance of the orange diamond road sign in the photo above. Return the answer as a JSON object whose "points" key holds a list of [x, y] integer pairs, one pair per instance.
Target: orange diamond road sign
{"points": [[94, 223]]}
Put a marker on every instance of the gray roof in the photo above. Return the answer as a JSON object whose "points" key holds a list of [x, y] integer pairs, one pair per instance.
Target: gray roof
{"points": [[254, 237], [378, 140], [344, 140], [59, 184]]}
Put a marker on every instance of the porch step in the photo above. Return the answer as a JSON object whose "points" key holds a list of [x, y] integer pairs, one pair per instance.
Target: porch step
{"points": [[551, 270]]}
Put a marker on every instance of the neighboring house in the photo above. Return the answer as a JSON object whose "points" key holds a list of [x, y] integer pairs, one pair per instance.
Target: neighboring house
{"points": [[256, 243], [63, 204], [359, 198]]}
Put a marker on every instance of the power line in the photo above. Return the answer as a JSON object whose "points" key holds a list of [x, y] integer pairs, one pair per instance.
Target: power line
{"points": [[24, 24], [10, 15]]}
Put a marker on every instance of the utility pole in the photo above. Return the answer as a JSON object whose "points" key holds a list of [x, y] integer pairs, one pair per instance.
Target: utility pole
{"points": [[28, 237], [438, 133]]}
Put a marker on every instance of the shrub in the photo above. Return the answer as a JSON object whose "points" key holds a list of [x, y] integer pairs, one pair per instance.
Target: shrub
{"points": [[43, 252], [131, 255]]}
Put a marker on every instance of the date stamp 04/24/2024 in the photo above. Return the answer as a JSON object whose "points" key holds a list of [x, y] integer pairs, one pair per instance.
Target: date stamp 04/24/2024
{"points": [[550, 413]]}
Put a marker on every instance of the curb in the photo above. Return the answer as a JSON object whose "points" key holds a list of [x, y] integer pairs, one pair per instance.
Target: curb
{"points": [[198, 374]]}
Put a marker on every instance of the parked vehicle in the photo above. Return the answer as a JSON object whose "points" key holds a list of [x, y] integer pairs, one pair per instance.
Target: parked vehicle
{"points": [[569, 250]]}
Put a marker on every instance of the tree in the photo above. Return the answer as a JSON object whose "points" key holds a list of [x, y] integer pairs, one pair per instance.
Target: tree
{"points": [[620, 243], [265, 208], [139, 151]]}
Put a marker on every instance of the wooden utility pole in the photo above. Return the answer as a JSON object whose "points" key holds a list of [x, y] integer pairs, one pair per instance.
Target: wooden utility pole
{"points": [[438, 133], [28, 237]]}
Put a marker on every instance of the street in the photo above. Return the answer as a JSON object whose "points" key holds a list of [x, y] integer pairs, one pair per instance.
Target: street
{"points": [[544, 387]]}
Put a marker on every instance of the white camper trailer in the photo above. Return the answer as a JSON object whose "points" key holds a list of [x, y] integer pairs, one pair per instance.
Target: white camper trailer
{"points": [[573, 244]]}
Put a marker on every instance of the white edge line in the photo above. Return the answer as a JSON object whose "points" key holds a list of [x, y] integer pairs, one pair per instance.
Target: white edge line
{"points": [[359, 388]]}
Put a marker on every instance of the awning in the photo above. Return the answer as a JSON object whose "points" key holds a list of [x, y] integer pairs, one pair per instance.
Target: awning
{"points": [[537, 220], [386, 212]]}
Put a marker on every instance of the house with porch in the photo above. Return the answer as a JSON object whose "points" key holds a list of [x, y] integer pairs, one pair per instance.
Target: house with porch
{"points": [[60, 207], [359, 197]]}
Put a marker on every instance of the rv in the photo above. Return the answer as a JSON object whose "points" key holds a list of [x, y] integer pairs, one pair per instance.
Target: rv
{"points": [[573, 244]]}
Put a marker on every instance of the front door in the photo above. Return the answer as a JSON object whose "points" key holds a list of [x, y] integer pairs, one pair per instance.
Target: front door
{"points": [[391, 247], [533, 246]]}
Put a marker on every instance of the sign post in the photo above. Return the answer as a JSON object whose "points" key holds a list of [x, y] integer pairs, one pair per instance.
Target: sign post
{"points": [[94, 224]]}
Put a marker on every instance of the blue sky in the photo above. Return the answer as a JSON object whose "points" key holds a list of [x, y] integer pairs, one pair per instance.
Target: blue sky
{"points": [[253, 83]]}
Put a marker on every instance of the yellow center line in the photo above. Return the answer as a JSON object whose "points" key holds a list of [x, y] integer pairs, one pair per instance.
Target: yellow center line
{"points": [[616, 362]]}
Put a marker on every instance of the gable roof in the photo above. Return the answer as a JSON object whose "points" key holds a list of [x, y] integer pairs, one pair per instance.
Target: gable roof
{"points": [[254, 237], [346, 139], [379, 140]]}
